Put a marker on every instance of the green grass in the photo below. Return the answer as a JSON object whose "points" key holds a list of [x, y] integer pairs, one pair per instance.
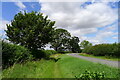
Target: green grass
{"points": [[100, 57], [35, 69], [66, 67], [72, 66]]}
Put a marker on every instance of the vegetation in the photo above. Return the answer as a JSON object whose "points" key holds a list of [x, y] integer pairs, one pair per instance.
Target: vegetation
{"points": [[60, 41], [31, 30], [85, 44], [73, 45], [34, 31], [12, 54], [101, 57], [65, 67], [38, 54], [25, 56], [91, 75], [104, 50], [64, 42]]}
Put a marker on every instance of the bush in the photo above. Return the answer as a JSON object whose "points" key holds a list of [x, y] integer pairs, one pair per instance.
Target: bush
{"points": [[91, 75], [88, 50], [49, 52], [38, 54], [12, 53]]}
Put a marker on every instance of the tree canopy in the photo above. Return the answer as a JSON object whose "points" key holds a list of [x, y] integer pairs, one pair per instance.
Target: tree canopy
{"points": [[64, 42], [32, 30], [73, 44], [85, 44], [60, 38]]}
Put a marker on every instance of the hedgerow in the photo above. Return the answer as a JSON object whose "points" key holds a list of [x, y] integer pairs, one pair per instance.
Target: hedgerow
{"points": [[12, 54], [38, 54], [103, 50]]}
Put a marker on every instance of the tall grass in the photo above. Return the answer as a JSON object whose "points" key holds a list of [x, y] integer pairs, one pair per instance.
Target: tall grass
{"points": [[65, 67]]}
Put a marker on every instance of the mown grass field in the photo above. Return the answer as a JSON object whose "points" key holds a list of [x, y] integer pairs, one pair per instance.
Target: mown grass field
{"points": [[100, 57], [66, 67]]}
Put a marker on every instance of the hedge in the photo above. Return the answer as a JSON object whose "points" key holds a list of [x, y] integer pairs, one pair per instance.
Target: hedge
{"points": [[104, 50], [38, 54], [12, 54]]}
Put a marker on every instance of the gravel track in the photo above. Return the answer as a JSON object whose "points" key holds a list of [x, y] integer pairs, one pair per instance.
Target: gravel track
{"points": [[101, 61]]}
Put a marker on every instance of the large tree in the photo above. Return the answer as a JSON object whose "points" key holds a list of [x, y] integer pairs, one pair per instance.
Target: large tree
{"points": [[61, 37], [32, 30]]}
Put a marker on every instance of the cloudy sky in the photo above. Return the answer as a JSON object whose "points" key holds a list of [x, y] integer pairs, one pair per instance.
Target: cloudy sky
{"points": [[95, 21]]}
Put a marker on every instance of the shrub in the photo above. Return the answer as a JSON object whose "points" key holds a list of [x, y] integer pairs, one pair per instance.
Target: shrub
{"points": [[103, 50], [49, 52], [12, 53], [88, 50], [87, 75], [38, 54]]}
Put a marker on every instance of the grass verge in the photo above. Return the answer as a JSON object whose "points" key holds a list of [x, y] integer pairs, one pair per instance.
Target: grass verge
{"points": [[66, 67], [100, 57]]}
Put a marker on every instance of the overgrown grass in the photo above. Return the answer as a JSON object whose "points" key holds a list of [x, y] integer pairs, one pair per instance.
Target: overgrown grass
{"points": [[100, 57], [66, 67], [35, 69]]}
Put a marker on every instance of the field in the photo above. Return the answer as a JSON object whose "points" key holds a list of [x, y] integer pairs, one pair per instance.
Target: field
{"points": [[65, 67]]}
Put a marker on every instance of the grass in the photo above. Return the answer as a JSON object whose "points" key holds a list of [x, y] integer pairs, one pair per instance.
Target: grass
{"points": [[35, 69], [66, 67], [100, 57]]}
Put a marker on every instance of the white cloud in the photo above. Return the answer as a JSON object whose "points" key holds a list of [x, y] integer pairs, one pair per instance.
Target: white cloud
{"points": [[101, 36], [3, 27], [80, 21], [60, 0], [20, 5], [82, 32], [3, 24], [70, 15]]}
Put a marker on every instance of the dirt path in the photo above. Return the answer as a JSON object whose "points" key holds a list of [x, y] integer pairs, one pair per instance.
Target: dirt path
{"points": [[107, 62]]}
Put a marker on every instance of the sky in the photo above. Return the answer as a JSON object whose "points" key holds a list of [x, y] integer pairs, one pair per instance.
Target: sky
{"points": [[92, 20]]}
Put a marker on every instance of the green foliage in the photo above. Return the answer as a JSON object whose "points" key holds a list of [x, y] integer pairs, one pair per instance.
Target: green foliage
{"points": [[87, 75], [38, 54], [66, 67], [103, 50], [88, 50], [64, 42], [73, 44], [12, 54], [48, 53], [85, 44], [33, 30], [61, 37], [31, 69]]}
